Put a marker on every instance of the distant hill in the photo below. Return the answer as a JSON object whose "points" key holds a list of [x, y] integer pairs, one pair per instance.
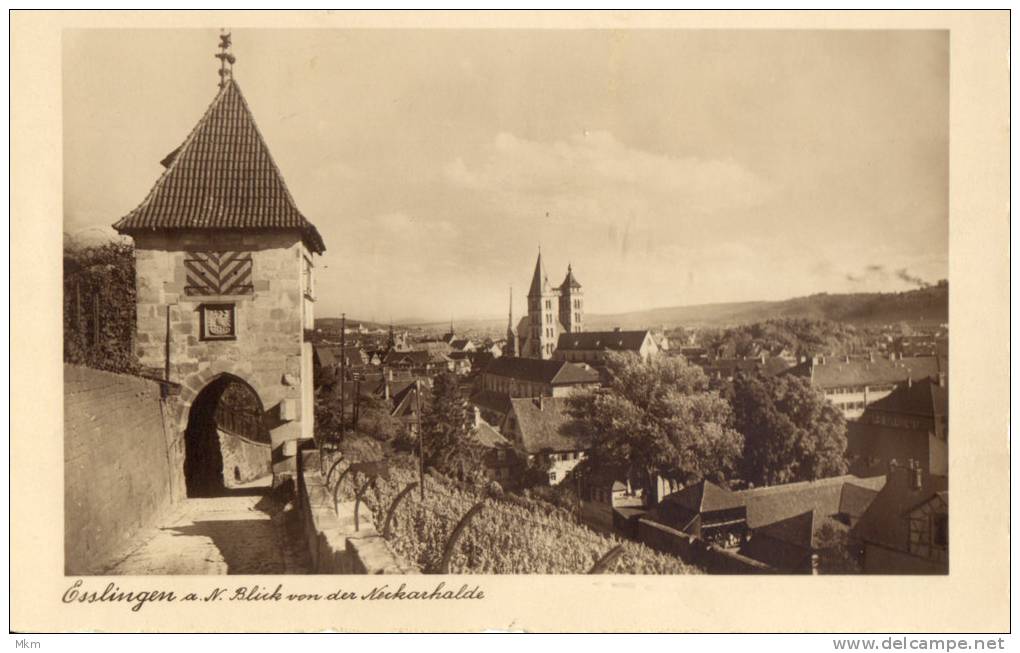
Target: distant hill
{"points": [[922, 306], [333, 323]]}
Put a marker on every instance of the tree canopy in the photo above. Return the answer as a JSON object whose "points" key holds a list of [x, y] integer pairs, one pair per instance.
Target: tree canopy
{"points": [[99, 306], [446, 428], [791, 432], [658, 417]]}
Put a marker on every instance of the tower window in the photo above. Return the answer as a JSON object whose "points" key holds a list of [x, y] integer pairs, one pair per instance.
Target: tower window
{"points": [[548, 305]]}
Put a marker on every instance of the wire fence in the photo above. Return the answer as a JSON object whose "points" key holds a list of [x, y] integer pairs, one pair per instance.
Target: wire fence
{"points": [[443, 528]]}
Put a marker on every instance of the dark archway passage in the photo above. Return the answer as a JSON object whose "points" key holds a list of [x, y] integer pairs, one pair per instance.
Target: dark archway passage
{"points": [[227, 411]]}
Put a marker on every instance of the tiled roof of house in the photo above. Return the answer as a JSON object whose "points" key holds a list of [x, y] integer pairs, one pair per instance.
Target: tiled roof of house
{"points": [[704, 496], [415, 358], [925, 398], [325, 356], [840, 373], [221, 177], [497, 402], [884, 521], [798, 530], [460, 343], [489, 437], [537, 370], [768, 505], [855, 499], [602, 340], [545, 425]]}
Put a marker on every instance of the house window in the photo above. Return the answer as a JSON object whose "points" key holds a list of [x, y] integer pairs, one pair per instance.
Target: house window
{"points": [[552, 477], [218, 322]]}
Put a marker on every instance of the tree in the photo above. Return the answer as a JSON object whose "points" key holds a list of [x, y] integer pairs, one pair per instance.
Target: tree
{"points": [[99, 305], [657, 417], [791, 432], [836, 555], [375, 420], [446, 428]]}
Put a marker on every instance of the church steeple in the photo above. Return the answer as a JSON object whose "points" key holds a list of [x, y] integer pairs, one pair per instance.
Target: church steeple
{"points": [[571, 303], [539, 280], [511, 334], [543, 325]]}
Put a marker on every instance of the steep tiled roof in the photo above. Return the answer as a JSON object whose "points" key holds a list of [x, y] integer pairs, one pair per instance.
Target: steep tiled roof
{"points": [[537, 370], [570, 281], [854, 499], [925, 398], [602, 340], [884, 521], [221, 177], [497, 402], [771, 504], [839, 373], [489, 437], [545, 425], [704, 496], [539, 280]]}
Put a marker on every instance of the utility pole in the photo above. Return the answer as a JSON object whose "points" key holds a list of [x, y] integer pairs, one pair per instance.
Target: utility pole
{"points": [[421, 439], [343, 346]]}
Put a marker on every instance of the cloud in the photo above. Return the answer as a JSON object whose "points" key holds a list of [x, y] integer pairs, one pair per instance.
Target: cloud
{"points": [[593, 175]]}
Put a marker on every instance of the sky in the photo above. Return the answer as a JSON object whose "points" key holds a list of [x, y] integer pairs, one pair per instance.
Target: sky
{"points": [[668, 167]]}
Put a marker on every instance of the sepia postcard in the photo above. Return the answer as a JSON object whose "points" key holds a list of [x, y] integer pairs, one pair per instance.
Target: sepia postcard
{"points": [[540, 321]]}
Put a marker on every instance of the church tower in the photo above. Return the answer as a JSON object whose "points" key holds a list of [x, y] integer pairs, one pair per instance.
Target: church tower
{"points": [[543, 322], [510, 350], [571, 304]]}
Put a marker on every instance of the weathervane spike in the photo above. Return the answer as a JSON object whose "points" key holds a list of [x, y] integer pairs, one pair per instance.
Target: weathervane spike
{"points": [[225, 57]]}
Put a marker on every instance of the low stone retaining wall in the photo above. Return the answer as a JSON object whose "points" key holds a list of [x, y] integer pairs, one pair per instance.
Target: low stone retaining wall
{"points": [[714, 559], [333, 543]]}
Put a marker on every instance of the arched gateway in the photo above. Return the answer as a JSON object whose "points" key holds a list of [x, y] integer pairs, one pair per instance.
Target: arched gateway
{"points": [[225, 294]]}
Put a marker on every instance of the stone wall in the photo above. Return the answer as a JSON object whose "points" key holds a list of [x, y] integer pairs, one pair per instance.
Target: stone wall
{"points": [[243, 460], [268, 351], [695, 551], [334, 544], [123, 464]]}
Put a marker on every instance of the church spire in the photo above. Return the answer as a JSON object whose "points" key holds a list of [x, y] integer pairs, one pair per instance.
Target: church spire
{"points": [[540, 280]]}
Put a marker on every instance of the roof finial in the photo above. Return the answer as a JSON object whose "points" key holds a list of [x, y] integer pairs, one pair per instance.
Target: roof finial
{"points": [[225, 58]]}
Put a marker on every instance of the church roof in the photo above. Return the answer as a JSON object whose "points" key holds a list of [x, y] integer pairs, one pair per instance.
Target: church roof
{"points": [[570, 281], [540, 280], [221, 177], [602, 340]]}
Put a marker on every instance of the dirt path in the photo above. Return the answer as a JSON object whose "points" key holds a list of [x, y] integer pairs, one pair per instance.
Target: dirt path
{"points": [[249, 531]]}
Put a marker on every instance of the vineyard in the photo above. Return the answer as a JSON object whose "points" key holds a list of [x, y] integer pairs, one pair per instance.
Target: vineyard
{"points": [[506, 535]]}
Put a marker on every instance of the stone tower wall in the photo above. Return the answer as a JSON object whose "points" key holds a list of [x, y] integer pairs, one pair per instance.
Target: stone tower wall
{"points": [[268, 351]]}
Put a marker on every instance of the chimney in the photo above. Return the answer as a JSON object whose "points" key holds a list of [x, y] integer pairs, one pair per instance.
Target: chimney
{"points": [[942, 379], [893, 466], [910, 382], [846, 359], [389, 374], [917, 478], [541, 402], [892, 356], [478, 417], [762, 359], [871, 356], [386, 389]]}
